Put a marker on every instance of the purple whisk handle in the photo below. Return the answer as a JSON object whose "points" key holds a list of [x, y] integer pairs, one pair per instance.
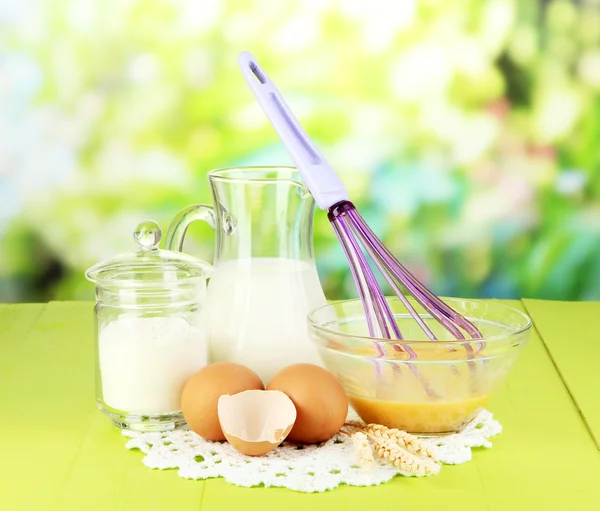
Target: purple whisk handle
{"points": [[318, 175]]}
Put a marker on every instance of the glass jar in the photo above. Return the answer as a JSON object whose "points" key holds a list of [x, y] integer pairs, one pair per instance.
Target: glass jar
{"points": [[150, 334]]}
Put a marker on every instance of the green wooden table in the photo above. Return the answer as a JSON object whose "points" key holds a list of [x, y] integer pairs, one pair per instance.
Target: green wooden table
{"points": [[57, 452]]}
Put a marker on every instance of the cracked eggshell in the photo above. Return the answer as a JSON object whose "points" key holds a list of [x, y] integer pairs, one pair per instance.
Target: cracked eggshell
{"points": [[256, 421], [201, 393]]}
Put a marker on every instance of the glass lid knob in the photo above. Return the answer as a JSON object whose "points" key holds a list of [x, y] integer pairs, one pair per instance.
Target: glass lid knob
{"points": [[148, 235]]}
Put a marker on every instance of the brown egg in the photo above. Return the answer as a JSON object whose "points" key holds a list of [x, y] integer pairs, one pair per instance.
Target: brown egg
{"points": [[202, 392], [320, 401]]}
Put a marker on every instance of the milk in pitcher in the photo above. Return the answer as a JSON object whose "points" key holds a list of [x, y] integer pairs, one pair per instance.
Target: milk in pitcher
{"points": [[257, 313]]}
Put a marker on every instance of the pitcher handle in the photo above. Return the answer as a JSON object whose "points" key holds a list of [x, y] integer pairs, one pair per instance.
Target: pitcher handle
{"points": [[183, 219]]}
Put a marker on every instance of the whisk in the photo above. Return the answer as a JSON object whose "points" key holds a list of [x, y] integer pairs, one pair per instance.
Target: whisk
{"points": [[356, 237]]}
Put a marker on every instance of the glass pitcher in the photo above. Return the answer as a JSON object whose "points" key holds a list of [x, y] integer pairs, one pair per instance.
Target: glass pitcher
{"points": [[265, 279]]}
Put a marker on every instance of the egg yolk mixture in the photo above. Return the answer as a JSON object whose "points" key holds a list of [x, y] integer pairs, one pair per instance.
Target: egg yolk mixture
{"points": [[432, 417]]}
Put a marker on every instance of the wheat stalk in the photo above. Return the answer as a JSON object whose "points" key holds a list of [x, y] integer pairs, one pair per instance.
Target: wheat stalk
{"points": [[410, 442], [363, 450], [399, 448], [404, 460]]}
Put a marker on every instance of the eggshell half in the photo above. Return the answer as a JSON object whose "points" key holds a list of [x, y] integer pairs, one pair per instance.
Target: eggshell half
{"points": [[256, 421], [201, 393]]}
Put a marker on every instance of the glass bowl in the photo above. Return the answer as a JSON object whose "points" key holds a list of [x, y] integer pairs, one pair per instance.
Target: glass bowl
{"points": [[418, 385]]}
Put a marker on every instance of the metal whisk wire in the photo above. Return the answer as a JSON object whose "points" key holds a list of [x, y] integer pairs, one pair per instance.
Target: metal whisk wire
{"points": [[352, 230]]}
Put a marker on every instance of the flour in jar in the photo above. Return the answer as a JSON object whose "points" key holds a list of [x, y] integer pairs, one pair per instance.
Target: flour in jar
{"points": [[146, 361]]}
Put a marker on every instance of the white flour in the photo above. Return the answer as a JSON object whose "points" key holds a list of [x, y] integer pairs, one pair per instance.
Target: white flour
{"points": [[145, 362]]}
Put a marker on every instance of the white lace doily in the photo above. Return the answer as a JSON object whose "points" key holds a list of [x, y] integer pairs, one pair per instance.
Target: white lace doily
{"points": [[313, 468]]}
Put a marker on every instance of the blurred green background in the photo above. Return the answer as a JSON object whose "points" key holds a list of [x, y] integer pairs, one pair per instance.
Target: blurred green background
{"points": [[467, 132]]}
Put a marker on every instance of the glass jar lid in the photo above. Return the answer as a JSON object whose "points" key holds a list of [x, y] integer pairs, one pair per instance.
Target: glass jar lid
{"points": [[149, 266]]}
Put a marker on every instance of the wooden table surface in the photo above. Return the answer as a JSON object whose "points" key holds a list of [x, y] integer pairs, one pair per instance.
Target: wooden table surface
{"points": [[58, 452]]}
